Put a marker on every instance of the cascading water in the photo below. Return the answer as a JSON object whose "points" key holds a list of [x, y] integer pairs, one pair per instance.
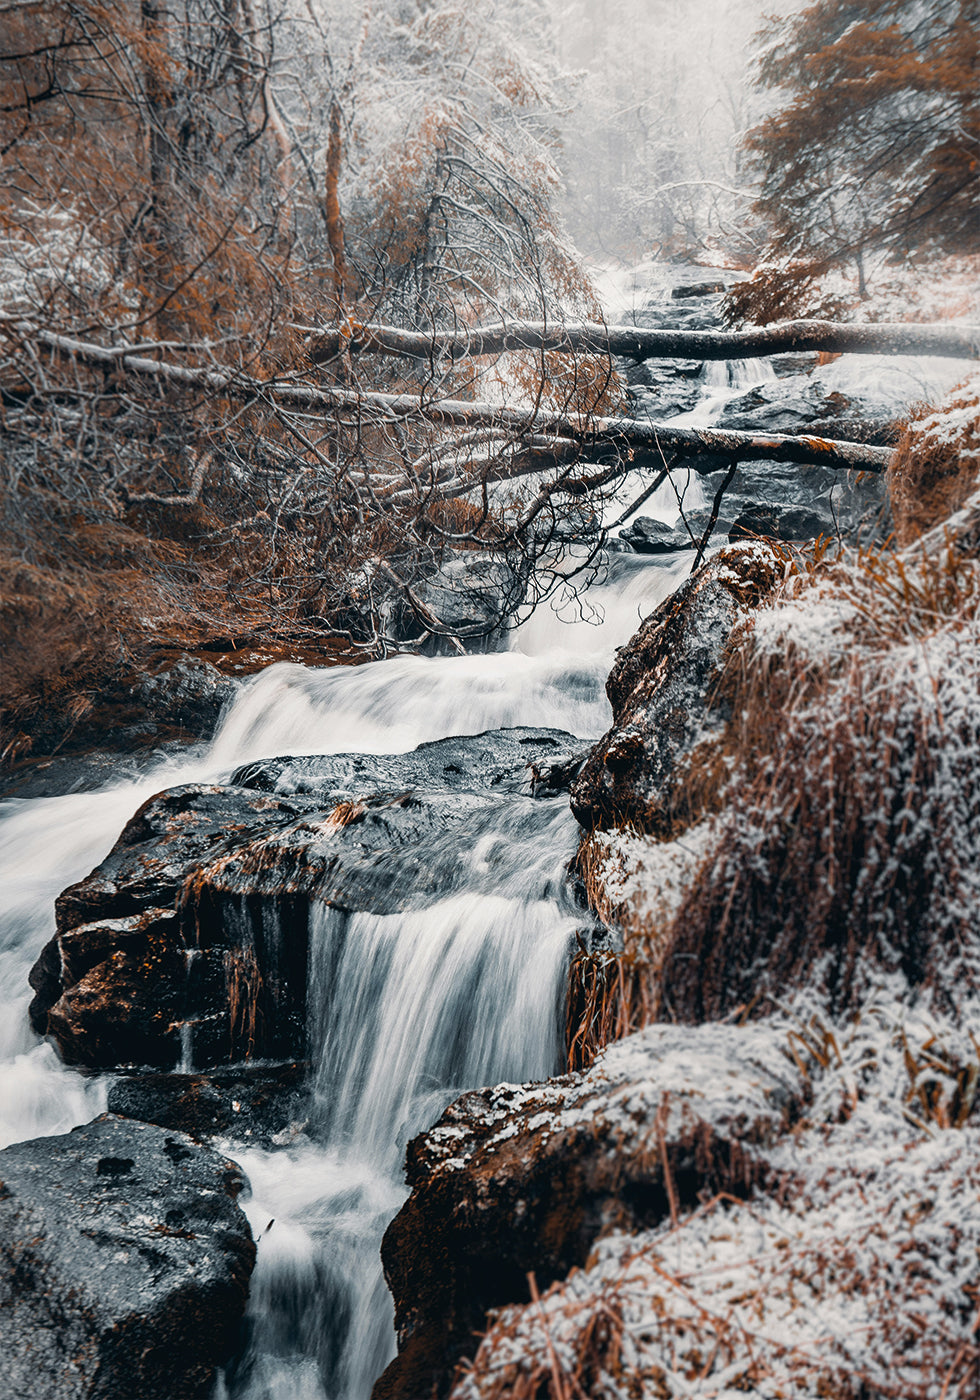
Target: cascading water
{"points": [[407, 1010]]}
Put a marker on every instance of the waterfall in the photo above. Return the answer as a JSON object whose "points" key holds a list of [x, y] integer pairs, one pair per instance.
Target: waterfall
{"points": [[407, 1010]]}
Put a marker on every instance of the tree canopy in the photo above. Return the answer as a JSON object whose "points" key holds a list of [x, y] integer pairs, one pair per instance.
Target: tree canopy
{"points": [[875, 142]]}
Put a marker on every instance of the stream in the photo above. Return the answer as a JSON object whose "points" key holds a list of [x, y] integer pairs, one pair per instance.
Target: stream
{"points": [[407, 1010]]}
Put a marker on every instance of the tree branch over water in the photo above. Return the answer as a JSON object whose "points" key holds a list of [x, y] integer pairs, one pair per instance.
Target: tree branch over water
{"points": [[589, 433], [638, 343]]}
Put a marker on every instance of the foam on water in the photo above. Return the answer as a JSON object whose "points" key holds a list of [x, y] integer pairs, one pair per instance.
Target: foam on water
{"points": [[406, 1010]]}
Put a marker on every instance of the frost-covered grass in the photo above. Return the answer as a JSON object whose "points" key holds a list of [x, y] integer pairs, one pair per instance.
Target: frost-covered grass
{"points": [[664, 1083], [846, 837], [937, 463], [857, 1273], [855, 1285]]}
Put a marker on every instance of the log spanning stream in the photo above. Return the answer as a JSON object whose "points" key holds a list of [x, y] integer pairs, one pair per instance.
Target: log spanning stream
{"points": [[406, 1010]]}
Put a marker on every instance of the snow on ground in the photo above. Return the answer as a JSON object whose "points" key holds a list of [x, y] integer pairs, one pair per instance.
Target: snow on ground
{"points": [[857, 1274], [730, 1078]]}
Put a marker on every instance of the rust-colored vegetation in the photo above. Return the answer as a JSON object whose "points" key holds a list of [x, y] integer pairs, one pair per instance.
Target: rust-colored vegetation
{"points": [[845, 842], [936, 464]]}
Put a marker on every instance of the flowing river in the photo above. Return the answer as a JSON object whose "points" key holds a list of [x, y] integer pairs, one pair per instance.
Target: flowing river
{"points": [[407, 1010]]}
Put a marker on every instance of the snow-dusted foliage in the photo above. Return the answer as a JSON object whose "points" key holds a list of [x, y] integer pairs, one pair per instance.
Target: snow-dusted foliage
{"points": [[51, 263], [854, 1275], [937, 464], [871, 152], [854, 753]]}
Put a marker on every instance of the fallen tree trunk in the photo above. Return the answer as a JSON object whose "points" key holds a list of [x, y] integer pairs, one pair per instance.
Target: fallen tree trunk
{"points": [[637, 343], [590, 433]]}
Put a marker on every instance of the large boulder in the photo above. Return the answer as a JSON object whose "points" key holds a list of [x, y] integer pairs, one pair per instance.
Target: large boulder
{"points": [[191, 938], [126, 1261], [190, 695], [658, 761], [520, 1178], [814, 402], [646, 535], [778, 522], [471, 595]]}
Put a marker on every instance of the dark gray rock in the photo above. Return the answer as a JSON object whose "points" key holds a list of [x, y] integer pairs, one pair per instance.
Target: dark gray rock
{"points": [[472, 594], [192, 935], [646, 535], [851, 506], [190, 695], [778, 522], [698, 289], [60, 774], [794, 362], [126, 1262], [667, 701], [804, 403], [260, 1104], [500, 760]]}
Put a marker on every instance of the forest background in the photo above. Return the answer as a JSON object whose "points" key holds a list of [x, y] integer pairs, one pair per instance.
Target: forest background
{"points": [[200, 193]]}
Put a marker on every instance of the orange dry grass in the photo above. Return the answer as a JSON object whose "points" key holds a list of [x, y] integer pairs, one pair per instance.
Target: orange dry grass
{"points": [[850, 837], [848, 832], [936, 464], [243, 983]]}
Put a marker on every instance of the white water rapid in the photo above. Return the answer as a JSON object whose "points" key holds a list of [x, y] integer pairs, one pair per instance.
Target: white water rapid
{"points": [[407, 1010]]}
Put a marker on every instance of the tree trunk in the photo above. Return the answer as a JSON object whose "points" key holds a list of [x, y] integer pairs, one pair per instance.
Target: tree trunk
{"points": [[590, 433], [636, 343], [335, 222]]}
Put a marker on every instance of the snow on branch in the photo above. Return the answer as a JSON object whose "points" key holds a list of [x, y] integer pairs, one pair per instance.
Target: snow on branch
{"points": [[638, 343]]}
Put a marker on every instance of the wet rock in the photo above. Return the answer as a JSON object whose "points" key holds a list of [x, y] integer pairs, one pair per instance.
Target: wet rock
{"points": [[645, 535], [472, 594], [81, 772], [851, 506], [698, 289], [501, 760], [778, 522], [513, 1179], [792, 362], [191, 937], [661, 388], [121, 982], [261, 1104], [657, 762], [810, 403], [189, 695], [126, 1262]]}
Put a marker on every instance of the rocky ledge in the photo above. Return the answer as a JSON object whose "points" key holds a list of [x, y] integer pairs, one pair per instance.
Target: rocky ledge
{"points": [[657, 761], [126, 1261], [514, 1180], [191, 937]]}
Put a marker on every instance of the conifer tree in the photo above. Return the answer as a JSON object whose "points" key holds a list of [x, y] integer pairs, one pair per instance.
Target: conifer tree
{"points": [[876, 146]]}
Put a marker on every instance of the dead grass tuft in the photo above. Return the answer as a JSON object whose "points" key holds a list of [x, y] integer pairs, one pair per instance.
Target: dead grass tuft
{"points": [[936, 464], [851, 834], [846, 798]]}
